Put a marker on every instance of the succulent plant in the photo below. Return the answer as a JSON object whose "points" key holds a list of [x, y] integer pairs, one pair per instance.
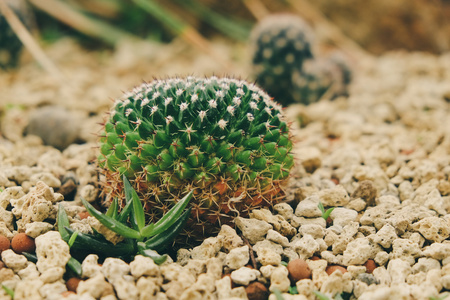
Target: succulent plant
{"points": [[224, 138], [10, 45], [280, 45], [143, 239]]}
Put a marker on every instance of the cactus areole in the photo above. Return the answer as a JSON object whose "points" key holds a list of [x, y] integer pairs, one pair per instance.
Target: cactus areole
{"points": [[223, 138]]}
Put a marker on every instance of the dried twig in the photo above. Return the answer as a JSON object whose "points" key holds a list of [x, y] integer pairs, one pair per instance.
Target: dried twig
{"points": [[257, 9], [27, 39], [252, 255], [87, 25]]}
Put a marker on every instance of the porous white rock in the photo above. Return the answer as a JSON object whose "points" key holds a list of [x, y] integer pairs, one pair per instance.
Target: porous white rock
{"points": [[337, 283], [433, 228], [343, 216], [437, 251], [305, 246], [229, 239], [28, 289], [14, 261], [347, 235], [46, 177], [125, 288], [52, 274], [268, 256], [53, 290], [279, 279], [315, 230], [309, 208], [51, 251], [115, 269], [244, 275], [252, 229], [284, 210], [148, 287], [334, 197], [207, 249], [142, 265], [36, 229], [385, 236], [277, 221], [276, 237], [14, 192], [398, 270], [359, 251], [237, 258], [95, 286], [90, 266], [425, 264], [29, 272], [406, 250]]}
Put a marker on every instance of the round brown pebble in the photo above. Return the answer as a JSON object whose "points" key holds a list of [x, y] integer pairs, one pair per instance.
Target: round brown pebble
{"points": [[5, 244], [315, 257], [331, 269], [72, 284], [370, 266], [23, 243], [257, 291], [83, 215], [298, 269]]}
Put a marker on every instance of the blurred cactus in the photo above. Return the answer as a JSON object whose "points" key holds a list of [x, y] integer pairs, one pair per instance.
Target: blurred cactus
{"points": [[280, 44]]}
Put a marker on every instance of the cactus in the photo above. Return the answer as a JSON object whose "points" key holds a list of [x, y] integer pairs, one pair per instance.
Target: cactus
{"points": [[224, 138], [281, 43], [10, 45]]}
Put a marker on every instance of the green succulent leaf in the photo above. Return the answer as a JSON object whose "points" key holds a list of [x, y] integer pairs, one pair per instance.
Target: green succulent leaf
{"points": [[125, 213], [111, 223], [160, 241], [138, 210], [112, 210], [75, 266], [168, 219], [101, 246], [158, 259], [63, 222], [9, 291], [72, 239], [30, 256]]}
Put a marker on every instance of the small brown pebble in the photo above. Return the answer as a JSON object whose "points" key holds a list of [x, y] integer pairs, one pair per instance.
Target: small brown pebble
{"points": [[2, 265], [257, 291], [298, 269], [370, 266], [83, 215], [67, 294], [331, 269], [23, 243], [5, 244], [315, 257], [72, 284]]}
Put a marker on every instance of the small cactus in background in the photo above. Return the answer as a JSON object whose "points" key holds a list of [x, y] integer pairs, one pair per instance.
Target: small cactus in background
{"points": [[280, 45], [223, 138], [10, 45], [285, 66]]}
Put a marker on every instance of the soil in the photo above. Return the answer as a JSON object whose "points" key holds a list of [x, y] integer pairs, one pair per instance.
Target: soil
{"points": [[381, 157]]}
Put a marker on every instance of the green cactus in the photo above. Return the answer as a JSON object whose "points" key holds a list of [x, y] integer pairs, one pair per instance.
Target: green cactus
{"points": [[280, 45], [320, 78], [10, 45], [224, 138]]}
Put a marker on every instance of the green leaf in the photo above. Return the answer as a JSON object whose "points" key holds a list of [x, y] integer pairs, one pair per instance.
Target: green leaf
{"points": [[322, 209], [293, 290], [158, 259], [160, 241], [320, 295], [72, 239], [138, 210], [111, 223], [63, 221], [74, 265], [123, 216], [327, 213], [278, 294], [31, 257], [168, 219], [9, 291], [101, 246], [112, 210]]}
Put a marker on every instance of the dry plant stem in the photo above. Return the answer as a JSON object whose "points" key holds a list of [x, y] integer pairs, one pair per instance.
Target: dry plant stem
{"points": [[328, 31], [27, 39], [104, 8], [186, 32], [257, 9], [250, 250], [82, 23]]}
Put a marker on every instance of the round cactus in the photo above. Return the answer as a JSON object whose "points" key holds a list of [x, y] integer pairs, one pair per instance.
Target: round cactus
{"points": [[223, 138], [281, 43], [10, 45]]}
